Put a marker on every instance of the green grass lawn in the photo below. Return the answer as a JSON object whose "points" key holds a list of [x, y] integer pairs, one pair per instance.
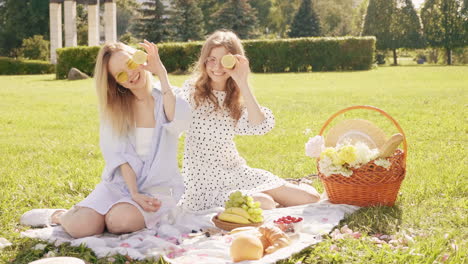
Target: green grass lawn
{"points": [[49, 155]]}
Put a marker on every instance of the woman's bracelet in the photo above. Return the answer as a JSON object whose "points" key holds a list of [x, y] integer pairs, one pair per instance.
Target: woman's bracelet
{"points": [[164, 93]]}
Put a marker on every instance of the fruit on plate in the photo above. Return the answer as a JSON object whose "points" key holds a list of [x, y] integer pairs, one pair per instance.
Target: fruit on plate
{"points": [[241, 209], [289, 223], [246, 247], [139, 57], [233, 218], [228, 61]]}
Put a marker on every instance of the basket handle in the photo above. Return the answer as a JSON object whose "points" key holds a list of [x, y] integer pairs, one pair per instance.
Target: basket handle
{"points": [[405, 145]]}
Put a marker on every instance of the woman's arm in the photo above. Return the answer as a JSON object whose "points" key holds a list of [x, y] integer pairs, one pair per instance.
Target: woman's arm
{"points": [[155, 66], [240, 75], [148, 203]]}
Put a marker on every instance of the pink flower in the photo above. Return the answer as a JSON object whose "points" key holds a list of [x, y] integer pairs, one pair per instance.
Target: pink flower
{"points": [[314, 146], [125, 245]]}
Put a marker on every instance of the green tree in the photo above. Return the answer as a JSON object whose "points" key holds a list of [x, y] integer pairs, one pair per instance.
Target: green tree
{"points": [[407, 26], [263, 12], [238, 16], [187, 21], [358, 17], [208, 8], [336, 17], [81, 25], [153, 24], [127, 13], [281, 16], [445, 25], [306, 22], [20, 20], [35, 48], [378, 23]]}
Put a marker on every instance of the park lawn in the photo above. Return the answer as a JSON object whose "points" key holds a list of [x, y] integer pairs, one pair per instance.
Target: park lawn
{"points": [[49, 155]]}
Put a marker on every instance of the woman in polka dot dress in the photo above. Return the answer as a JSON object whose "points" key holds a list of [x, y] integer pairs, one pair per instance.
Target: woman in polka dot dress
{"points": [[223, 106]]}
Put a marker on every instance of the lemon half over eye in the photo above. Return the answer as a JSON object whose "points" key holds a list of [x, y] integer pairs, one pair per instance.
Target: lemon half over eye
{"points": [[131, 64], [139, 57], [228, 61], [122, 77]]}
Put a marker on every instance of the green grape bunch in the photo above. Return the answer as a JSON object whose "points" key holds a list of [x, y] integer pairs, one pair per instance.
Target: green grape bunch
{"points": [[247, 203]]}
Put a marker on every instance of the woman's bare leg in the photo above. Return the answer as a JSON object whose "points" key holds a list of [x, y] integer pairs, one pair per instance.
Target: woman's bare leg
{"points": [[291, 195], [80, 221], [124, 218], [267, 202]]}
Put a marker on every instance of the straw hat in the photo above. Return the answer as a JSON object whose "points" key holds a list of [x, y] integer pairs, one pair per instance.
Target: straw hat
{"points": [[356, 130]]}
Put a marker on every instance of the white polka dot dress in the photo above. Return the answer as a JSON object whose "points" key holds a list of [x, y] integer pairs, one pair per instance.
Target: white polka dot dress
{"points": [[212, 167]]}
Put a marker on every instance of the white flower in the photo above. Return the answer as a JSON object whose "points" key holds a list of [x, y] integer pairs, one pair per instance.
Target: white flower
{"points": [[314, 146], [383, 163], [39, 246]]}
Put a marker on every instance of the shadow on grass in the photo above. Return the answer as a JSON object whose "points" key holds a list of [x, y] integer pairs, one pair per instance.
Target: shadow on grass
{"points": [[375, 220]]}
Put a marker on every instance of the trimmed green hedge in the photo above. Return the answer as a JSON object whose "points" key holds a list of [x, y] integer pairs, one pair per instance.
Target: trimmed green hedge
{"points": [[10, 66], [82, 57], [283, 55]]}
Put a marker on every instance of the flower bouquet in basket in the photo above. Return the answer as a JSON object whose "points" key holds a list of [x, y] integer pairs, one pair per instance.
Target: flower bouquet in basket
{"points": [[357, 163]]}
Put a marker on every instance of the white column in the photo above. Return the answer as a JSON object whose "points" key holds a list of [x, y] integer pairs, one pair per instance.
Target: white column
{"points": [[70, 23], [55, 14], [110, 20], [93, 24]]}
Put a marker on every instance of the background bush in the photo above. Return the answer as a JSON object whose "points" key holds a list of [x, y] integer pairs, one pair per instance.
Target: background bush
{"points": [[284, 55], [9, 66], [35, 48]]}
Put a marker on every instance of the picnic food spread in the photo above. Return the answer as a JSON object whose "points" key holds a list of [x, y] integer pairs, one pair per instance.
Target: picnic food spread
{"points": [[241, 209]]}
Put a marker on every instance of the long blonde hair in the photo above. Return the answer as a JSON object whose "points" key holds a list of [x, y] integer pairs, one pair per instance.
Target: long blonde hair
{"points": [[203, 90], [115, 101]]}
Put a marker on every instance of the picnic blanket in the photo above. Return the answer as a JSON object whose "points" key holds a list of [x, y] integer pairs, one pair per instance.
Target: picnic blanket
{"points": [[178, 238]]}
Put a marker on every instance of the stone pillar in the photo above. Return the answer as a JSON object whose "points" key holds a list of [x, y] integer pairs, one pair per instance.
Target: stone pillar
{"points": [[110, 20], [55, 14], [70, 23], [93, 23]]}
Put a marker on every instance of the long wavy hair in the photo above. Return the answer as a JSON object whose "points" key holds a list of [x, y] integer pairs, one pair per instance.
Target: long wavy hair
{"points": [[203, 90], [115, 101]]}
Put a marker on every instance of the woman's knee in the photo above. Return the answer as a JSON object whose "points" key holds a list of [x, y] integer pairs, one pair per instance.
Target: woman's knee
{"points": [[82, 222], [266, 201], [124, 218]]}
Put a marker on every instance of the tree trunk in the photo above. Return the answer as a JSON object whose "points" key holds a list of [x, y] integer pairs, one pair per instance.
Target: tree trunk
{"points": [[449, 56], [395, 62]]}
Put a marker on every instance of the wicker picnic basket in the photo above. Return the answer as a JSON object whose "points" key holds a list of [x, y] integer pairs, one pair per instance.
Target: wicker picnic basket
{"points": [[369, 185]]}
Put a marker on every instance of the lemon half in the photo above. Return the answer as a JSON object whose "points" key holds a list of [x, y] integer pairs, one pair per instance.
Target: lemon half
{"points": [[228, 61], [139, 57]]}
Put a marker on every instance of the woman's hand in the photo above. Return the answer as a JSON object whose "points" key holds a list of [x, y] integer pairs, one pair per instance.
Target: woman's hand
{"points": [[240, 72], [148, 203], [154, 63]]}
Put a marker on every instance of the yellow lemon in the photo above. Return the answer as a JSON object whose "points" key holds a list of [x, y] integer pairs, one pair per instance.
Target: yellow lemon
{"points": [[228, 61], [139, 57]]}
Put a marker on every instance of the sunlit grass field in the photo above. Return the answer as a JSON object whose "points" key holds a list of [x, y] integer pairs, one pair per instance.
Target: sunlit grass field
{"points": [[49, 155]]}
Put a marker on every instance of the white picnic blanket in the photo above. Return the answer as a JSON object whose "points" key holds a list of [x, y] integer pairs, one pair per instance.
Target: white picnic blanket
{"points": [[174, 239]]}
